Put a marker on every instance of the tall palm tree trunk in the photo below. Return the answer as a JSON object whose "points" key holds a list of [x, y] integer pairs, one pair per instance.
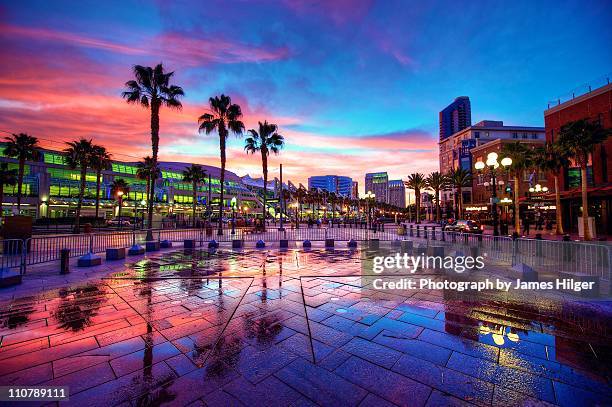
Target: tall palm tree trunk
{"points": [[155, 149], [195, 198], [517, 209], [20, 184], [264, 163], [98, 175], [585, 203], [222, 180], [459, 203], [417, 201], [1, 200], [558, 213], [77, 222], [438, 205]]}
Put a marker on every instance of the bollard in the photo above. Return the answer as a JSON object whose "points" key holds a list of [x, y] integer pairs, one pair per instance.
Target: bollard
{"points": [[329, 243], [284, 244], [152, 246], [443, 236], [307, 244], [65, 261], [211, 244], [236, 244], [165, 244], [425, 232], [411, 231], [260, 244], [189, 244], [352, 243], [418, 231], [114, 254]]}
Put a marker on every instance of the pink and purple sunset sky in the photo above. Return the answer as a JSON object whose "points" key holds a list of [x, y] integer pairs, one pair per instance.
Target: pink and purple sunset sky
{"points": [[355, 86]]}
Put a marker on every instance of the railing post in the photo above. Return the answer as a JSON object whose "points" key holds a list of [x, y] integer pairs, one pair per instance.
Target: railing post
{"points": [[418, 228], [91, 238], [433, 233], [425, 235], [411, 231]]}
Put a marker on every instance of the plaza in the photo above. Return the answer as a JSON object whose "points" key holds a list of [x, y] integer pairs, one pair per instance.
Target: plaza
{"points": [[295, 326]]}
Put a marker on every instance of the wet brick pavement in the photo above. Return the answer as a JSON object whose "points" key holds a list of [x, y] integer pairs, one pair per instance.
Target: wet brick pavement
{"points": [[296, 328]]}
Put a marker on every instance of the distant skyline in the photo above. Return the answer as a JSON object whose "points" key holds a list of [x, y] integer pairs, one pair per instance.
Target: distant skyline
{"points": [[355, 86]]}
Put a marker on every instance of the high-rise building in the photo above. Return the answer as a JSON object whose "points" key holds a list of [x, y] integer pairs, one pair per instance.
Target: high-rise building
{"points": [[397, 193], [378, 184], [455, 117], [355, 190], [332, 183]]}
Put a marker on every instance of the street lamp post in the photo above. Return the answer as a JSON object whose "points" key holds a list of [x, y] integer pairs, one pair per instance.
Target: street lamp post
{"points": [[120, 198], [233, 204], [492, 166], [369, 195]]}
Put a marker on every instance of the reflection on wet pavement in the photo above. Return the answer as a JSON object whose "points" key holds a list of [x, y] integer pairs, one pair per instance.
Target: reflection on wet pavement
{"points": [[297, 328]]}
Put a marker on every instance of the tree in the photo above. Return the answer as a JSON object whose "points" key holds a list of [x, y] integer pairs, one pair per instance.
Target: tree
{"points": [[332, 198], [146, 170], [577, 140], [459, 178], [152, 89], [195, 175], [225, 117], [550, 159], [265, 141], [24, 148], [79, 156], [299, 194], [522, 160], [100, 161], [436, 182], [416, 181], [8, 176], [119, 184]]}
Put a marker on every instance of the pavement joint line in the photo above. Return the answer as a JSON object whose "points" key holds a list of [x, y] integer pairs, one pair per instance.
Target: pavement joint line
{"points": [[212, 349], [314, 361]]}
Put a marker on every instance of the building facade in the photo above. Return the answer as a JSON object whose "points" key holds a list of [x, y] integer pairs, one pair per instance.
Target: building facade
{"points": [[595, 105], [397, 193], [456, 151], [455, 117], [337, 184], [51, 190], [378, 184], [482, 184]]}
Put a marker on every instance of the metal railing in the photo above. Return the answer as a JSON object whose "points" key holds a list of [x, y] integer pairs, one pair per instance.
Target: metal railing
{"points": [[542, 255], [592, 259]]}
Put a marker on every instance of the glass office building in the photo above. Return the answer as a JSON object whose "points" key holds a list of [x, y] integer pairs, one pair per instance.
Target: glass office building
{"points": [[51, 189]]}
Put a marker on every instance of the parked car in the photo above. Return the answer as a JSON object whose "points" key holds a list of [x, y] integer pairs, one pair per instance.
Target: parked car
{"points": [[465, 226]]}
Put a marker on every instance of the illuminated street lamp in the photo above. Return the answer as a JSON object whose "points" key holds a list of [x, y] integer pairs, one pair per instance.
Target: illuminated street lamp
{"points": [[369, 195], [491, 167], [120, 199], [233, 205]]}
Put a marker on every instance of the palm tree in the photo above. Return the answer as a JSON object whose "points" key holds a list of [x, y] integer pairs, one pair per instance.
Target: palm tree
{"points": [[550, 159], [100, 161], [265, 141], [8, 176], [79, 156], [577, 140], [24, 148], [437, 182], [459, 178], [332, 198], [152, 89], [225, 117], [417, 182], [196, 175], [299, 194], [119, 184], [145, 170], [522, 160]]}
